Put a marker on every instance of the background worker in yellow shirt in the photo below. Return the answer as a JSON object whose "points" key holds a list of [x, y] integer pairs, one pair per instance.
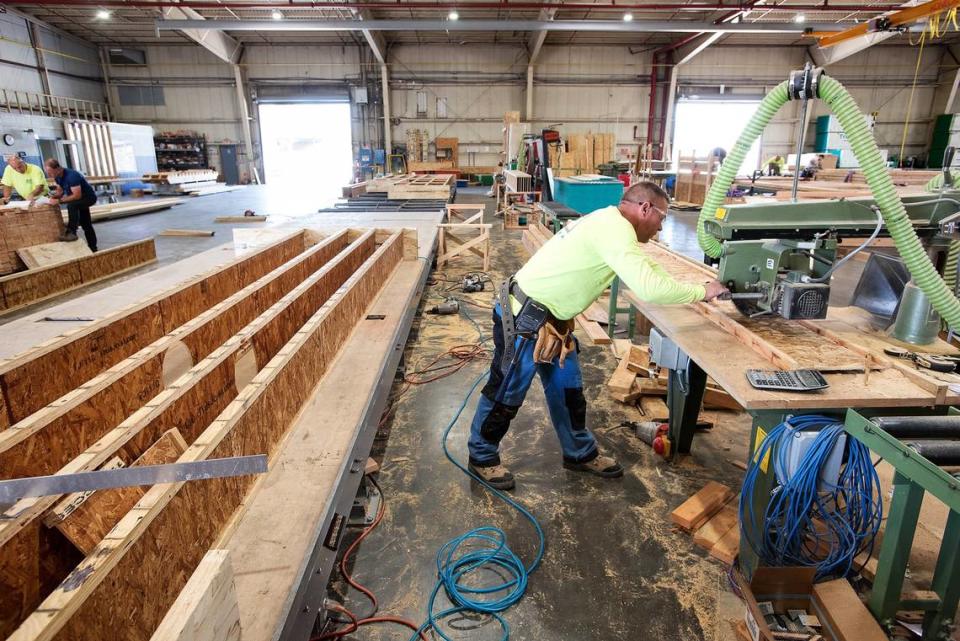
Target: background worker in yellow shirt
{"points": [[28, 180], [561, 280]]}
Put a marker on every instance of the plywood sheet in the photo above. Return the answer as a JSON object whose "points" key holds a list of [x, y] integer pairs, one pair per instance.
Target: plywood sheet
{"points": [[47, 254]]}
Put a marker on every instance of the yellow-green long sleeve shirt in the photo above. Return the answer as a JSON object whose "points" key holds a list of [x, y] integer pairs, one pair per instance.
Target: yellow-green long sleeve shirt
{"points": [[573, 268]]}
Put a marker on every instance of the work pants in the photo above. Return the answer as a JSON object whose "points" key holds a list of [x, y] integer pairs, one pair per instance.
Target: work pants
{"points": [[78, 215], [500, 400]]}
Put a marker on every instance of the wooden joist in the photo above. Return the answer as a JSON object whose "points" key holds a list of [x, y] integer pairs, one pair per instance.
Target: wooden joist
{"points": [[38, 376], [240, 219], [195, 399], [124, 588], [187, 232], [33, 286], [207, 608]]}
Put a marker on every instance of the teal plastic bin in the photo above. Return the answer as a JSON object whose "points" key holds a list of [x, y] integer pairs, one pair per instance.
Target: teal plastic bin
{"points": [[585, 194]]}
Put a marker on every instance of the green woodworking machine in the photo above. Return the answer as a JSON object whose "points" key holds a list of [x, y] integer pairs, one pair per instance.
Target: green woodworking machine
{"points": [[778, 257]]}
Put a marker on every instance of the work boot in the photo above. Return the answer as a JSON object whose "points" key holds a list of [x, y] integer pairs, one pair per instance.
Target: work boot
{"points": [[602, 466], [496, 476], [68, 237]]}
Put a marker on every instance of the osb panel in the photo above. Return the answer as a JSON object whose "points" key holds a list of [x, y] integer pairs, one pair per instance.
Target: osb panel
{"points": [[107, 262], [192, 300], [21, 228], [86, 526], [42, 380], [37, 284], [35, 381], [51, 438], [133, 599]]}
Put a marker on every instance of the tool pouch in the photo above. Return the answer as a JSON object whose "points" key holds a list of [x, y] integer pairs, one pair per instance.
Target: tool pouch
{"points": [[554, 340]]}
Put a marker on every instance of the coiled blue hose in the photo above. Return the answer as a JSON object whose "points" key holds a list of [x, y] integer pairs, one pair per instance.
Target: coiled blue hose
{"points": [[482, 550], [809, 522]]}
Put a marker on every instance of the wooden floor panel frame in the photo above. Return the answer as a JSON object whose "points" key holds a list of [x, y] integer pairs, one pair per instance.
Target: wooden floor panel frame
{"points": [[125, 586], [42, 374], [191, 402], [23, 289]]}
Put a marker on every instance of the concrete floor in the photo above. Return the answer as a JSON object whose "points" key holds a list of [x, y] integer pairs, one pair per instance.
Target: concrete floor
{"points": [[614, 567]]}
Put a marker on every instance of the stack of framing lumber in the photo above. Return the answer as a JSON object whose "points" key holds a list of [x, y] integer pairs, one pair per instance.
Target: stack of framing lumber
{"points": [[898, 176], [181, 177], [711, 517], [581, 153], [36, 285], [228, 359], [419, 187], [24, 228], [129, 208]]}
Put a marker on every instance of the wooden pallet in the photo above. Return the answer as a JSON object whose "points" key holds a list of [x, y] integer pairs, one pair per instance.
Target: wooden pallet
{"points": [[240, 399], [422, 187], [33, 286]]}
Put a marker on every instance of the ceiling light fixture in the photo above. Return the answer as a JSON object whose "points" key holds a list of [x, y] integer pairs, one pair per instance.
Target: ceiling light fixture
{"points": [[799, 18], [453, 15], [276, 15], [628, 17], [103, 14]]}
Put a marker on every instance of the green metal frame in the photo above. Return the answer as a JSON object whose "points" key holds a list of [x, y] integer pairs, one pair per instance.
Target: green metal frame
{"points": [[614, 309], [915, 475]]}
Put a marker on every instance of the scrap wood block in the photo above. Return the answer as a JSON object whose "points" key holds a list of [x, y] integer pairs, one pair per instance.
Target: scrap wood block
{"points": [[639, 359], [636, 391], [85, 518], [593, 330], [701, 506], [654, 408], [728, 547], [719, 524], [867, 565], [717, 398], [622, 380]]}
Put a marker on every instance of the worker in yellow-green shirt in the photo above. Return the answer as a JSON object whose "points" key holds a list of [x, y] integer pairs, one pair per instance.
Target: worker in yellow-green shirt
{"points": [[561, 280], [28, 180]]}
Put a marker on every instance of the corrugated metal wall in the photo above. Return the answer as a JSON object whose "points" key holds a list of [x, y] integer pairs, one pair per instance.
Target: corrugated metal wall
{"points": [[73, 66]]}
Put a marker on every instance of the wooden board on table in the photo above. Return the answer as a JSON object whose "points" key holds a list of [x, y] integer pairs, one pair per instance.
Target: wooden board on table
{"points": [[38, 256], [701, 506], [207, 608]]}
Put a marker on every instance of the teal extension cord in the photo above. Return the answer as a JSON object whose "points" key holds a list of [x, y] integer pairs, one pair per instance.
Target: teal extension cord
{"points": [[481, 550]]}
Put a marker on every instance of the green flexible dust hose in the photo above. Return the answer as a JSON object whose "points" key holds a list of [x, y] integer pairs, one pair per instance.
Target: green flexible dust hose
{"points": [[864, 147]]}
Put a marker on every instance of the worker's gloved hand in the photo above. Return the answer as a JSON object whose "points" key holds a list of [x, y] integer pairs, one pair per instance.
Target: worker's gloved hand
{"points": [[714, 288]]}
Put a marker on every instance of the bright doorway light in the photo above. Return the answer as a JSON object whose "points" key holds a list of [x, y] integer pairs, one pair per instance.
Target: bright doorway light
{"points": [[704, 125], [307, 148]]}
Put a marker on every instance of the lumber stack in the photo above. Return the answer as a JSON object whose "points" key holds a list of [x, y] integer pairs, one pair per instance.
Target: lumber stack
{"points": [[123, 209], [581, 153], [216, 367], [898, 176], [25, 228], [711, 517]]}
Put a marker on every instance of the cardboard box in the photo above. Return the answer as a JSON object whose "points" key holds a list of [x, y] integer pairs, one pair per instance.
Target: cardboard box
{"points": [[842, 614]]}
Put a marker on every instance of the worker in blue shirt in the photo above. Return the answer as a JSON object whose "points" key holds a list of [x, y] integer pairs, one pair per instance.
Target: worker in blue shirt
{"points": [[75, 192]]}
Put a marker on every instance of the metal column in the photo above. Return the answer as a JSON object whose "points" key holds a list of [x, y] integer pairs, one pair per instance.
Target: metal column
{"points": [[387, 134], [244, 110], [529, 111]]}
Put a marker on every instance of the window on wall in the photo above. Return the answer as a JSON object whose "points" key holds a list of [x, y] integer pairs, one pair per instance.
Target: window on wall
{"points": [[422, 104], [441, 107], [137, 96]]}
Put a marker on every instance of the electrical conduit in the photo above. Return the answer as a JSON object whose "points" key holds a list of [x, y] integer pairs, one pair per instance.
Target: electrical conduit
{"points": [[865, 149]]}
